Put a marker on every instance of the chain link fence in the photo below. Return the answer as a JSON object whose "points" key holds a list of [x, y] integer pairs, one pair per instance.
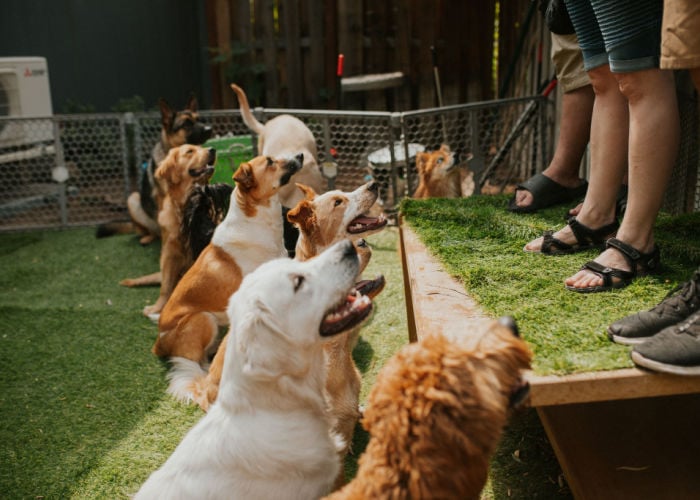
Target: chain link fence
{"points": [[78, 170]]}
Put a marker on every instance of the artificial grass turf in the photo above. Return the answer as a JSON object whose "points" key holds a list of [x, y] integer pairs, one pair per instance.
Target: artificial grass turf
{"points": [[83, 411], [480, 243]]}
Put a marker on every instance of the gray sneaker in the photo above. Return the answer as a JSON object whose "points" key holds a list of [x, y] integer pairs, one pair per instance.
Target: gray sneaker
{"points": [[680, 303], [675, 349]]}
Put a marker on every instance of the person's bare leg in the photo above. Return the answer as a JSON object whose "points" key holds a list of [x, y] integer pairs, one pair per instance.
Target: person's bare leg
{"points": [[576, 108], [654, 132], [608, 147]]}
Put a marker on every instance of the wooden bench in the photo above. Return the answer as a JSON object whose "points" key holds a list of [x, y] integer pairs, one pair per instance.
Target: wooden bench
{"points": [[617, 434]]}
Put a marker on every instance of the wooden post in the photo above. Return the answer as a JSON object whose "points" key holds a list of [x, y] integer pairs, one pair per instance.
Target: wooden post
{"points": [[292, 43]]}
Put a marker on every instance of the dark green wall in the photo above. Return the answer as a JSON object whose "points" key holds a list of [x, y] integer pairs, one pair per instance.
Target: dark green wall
{"points": [[100, 51]]}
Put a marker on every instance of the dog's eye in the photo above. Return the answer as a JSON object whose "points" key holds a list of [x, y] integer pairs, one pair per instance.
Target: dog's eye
{"points": [[298, 280], [338, 201], [440, 160], [190, 152], [269, 161]]}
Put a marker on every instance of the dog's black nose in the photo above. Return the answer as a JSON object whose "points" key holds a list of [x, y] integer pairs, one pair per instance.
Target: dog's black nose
{"points": [[212, 156], [509, 322], [300, 158], [373, 186]]}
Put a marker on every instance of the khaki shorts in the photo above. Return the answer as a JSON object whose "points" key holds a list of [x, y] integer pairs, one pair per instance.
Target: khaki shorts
{"points": [[568, 62], [680, 34]]}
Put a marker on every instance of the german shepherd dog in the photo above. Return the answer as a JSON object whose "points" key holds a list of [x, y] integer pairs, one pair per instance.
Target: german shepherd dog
{"points": [[178, 128]]}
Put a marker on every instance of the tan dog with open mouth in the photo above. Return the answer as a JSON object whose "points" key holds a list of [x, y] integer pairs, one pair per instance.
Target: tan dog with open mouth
{"points": [[268, 436], [182, 169], [439, 176], [250, 234], [437, 412]]}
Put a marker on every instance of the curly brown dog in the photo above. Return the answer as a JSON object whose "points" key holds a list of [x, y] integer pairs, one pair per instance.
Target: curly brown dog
{"points": [[436, 415]]}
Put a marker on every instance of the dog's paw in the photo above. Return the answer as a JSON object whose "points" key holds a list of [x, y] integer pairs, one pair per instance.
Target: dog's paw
{"points": [[152, 312]]}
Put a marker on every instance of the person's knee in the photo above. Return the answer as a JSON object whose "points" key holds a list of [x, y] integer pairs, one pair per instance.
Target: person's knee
{"points": [[637, 84], [630, 84], [602, 80]]}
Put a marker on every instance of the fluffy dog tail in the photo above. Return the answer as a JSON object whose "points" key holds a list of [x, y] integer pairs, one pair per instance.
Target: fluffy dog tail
{"points": [[183, 377], [248, 117], [190, 383]]}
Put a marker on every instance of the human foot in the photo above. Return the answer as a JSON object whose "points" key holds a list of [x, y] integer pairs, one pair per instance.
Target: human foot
{"points": [[542, 191], [574, 237], [616, 267]]}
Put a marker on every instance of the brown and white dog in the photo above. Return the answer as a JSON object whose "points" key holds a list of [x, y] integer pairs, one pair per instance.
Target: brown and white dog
{"points": [[250, 234], [283, 135], [437, 412], [183, 168], [268, 435], [439, 176]]}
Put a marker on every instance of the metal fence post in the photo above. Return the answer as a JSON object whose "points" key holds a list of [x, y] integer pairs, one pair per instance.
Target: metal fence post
{"points": [[396, 124], [126, 120], [60, 164]]}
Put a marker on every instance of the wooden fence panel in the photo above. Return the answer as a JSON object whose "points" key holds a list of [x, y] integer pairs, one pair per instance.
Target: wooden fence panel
{"points": [[290, 49]]}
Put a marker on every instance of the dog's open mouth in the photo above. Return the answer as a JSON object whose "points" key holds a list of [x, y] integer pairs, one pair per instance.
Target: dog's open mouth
{"points": [[208, 169], [365, 223], [201, 172], [349, 313], [371, 288]]}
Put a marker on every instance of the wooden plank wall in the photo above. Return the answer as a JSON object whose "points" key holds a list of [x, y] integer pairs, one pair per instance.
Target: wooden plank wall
{"points": [[284, 52]]}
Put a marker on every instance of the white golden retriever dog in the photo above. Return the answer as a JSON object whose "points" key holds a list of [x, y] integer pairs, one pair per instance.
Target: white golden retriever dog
{"points": [[268, 434]]}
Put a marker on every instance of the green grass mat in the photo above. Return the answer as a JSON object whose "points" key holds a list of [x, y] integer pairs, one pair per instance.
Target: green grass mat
{"points": [[83, 410], [480, 243]]}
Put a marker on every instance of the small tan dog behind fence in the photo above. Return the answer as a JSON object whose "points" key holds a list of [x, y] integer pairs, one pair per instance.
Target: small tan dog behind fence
{"points": [[436, 415], [439, 176]]}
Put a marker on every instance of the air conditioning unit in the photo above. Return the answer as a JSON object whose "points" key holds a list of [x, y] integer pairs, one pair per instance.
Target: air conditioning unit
{"points": [[24, 93]]}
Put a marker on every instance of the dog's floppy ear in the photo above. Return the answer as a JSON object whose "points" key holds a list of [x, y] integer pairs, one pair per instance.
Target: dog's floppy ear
{"points": [[263, 349], [192, 103], [421, 161], [244, 177], [302, 214], [167, 170], [167, 113]]}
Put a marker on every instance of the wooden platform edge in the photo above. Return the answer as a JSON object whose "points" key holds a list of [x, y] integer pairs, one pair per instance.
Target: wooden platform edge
{"points": [[436, 302]]}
